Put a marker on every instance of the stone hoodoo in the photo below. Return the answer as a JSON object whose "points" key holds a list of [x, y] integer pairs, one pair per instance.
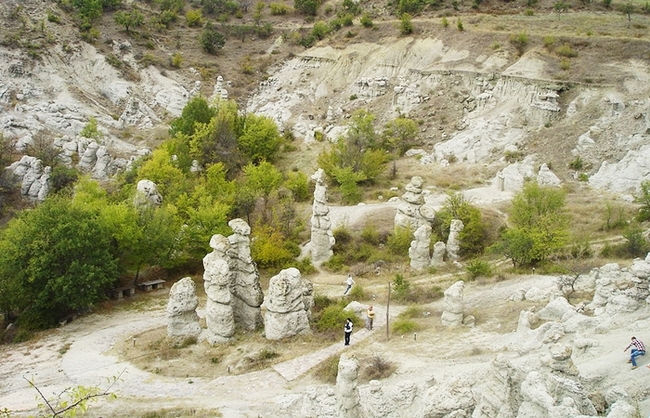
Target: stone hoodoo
{"points": [[453, 242], [287, 305], [347, 392], [147, 194], [419, 250], [453, 313], [322, 240], [245, 279], [32, 176], [408, 212], [219, 315], [183, 320], [438, 256]]}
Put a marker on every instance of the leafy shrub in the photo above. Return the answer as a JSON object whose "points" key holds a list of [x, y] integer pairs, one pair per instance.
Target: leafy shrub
{"points": [[357, 293], [399, 241], [577, 163], [211, 40], [320, 30], [307, 7], [549, 42], [565, 64], [643, 198], [406, 24], [177, 60], [90, 130], [583, 177], [194, 18], [444, 22], [411, 311], [565, 50], [478, 268], [366, 21], [401, 287], [370, 234], [269, 248], [279, 9], [519, 41], [353, 97], [333, 318], [404, 326]]}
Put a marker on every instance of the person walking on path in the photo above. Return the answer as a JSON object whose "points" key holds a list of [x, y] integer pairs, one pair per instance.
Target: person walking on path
{"points": [[347, 329], [349, 282], [370, 316], [638, 349]]}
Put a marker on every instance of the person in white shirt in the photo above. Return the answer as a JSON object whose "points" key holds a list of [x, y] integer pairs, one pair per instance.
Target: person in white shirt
{"points": [[349, 282]]}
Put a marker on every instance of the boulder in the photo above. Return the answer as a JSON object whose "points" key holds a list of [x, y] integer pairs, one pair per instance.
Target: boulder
{"points": [[453, 241], [219, 315], [319, 248], [452, 316], [347, 393], [419, 250]]}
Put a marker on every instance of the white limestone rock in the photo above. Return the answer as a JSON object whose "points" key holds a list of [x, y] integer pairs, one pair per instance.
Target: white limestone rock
{"points": [[419, 250], [219, 315], [182, 319], [438, 256], [286, 315], [452, 316], [347, 392], [146, 194], [245, 286], [319, 248], [453, 241], [408, 211]]}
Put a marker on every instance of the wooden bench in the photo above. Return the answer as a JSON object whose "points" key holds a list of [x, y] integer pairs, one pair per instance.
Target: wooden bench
{"points": [[122, 292], [152, 285]]}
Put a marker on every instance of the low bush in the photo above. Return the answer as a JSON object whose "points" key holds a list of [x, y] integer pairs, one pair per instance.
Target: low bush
{"points": [[377, 368], [404, 326], [478, 268]]}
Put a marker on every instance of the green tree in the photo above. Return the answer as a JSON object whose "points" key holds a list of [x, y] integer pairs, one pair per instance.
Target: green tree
{"points": [[473, 237], [263, 179], [358, 155], [89, 10], [54, 260], [399, 135], [197, 110], [129, 19], [298, 183], [211, 40], [260, 139], [307, 7], [539, 225], [218, 140], [160, 169]]}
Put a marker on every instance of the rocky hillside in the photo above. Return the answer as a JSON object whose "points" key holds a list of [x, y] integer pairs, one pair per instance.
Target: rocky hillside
{"points": [[568, 90]]}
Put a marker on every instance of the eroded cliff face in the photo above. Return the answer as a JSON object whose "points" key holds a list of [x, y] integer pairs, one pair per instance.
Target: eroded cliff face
{"points": [[474, 102], [473, 106]]}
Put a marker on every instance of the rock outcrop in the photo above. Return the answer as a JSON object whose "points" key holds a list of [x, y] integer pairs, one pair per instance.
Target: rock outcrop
{"points": [[287, 305], [452, 316], [438, 256], [146, 194], [419, 250], [453, 241], [219, 316], [182, 319], [245, 279], [319, 248], [347, 392], [408, 212]]}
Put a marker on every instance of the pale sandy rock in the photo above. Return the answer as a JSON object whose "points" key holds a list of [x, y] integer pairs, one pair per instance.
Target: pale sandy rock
{"points": [[419, 250], [219, 315], [182, 319], [408, 211], [535, 294], [453, 241], [376, 401], [497, 390], [626, 175], [622, 409], [641, 268], [512, 177], [559, 309], [285, 306], [347, 392], [438, 256], [452, 398], [245, 285], [146, 194], [545, 177], [560, 359], [452, 316], [319, 248]]}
